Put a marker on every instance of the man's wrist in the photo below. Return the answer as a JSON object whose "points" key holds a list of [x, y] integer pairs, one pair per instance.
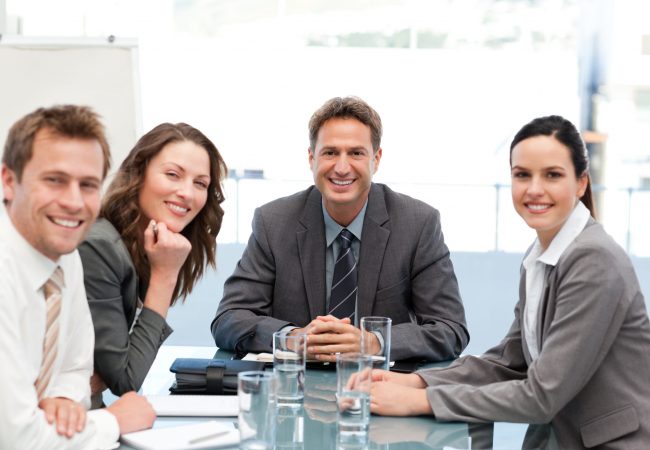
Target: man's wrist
{"points": [[288, 329]]}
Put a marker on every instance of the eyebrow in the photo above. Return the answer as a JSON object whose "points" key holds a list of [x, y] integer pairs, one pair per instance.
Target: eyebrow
{"points": [[61, 173], [182, 169], [545, 168], [334, 147]]}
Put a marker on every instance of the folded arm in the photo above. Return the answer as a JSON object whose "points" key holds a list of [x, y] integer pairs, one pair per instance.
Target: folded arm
{"points": [[23, 423], [122, 360]]}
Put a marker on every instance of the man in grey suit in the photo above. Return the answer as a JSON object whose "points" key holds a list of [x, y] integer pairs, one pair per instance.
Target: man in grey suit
{"points": [[289, 276]]}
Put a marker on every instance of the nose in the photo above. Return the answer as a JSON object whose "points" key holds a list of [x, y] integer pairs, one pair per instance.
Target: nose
{"points": [[342, 166], [186, 189], [71, 198], [536, 186]]}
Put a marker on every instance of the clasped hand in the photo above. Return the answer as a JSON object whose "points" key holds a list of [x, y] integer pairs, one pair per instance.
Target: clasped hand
{"points": [[328, 335]]}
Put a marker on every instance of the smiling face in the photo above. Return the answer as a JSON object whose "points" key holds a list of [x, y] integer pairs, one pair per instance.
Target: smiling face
{"points": [[58, 197], [343, 163], [545, 188], [175, 186]]}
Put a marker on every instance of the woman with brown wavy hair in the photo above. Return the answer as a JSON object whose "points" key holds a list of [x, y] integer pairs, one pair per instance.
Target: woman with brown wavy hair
{"points": [[155, 234]]}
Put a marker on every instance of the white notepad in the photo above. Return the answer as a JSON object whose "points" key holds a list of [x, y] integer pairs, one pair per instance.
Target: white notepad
{"points": [[195, 405], [199, 435]]}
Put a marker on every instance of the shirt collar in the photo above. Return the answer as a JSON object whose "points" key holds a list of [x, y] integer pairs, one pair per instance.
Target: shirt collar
{"points": [[332, 228], [567, 234], [35, 267]]}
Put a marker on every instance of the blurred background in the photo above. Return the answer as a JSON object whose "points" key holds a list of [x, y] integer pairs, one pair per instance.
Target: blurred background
{"points": [[452, 80]]}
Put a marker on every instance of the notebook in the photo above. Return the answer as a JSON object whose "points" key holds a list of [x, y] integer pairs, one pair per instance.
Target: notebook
{"points": [[195, 405], [210, 434]]}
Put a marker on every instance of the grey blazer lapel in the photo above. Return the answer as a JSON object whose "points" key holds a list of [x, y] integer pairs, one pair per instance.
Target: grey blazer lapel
{"points": [[311, 251], [374, 239], [522, 314]]}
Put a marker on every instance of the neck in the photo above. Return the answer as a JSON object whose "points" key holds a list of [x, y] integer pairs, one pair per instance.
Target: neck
{"points": [[343, 215]]}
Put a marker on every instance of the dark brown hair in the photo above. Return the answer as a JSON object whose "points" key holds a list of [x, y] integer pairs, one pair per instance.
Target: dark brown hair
{"points": [[121, 204], [346, 108], [70, 121], [567, 134]]}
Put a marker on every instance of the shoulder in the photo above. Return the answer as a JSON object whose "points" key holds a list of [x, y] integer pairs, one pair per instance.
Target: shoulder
{"points": [[5, 252], [12, 284], [292, 203], [287, 210], [104, 243], [594, 241], [103, 230], [401, 206], [7, 265], [595, 252]]}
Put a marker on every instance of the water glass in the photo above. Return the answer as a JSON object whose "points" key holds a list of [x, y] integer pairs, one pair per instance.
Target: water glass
{"points": [[257, 410], [353, 377], [290, 428], [376, 327], [289, 360]]}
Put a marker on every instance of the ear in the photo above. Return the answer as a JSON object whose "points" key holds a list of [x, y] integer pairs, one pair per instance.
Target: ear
{"points": [[9, 181], [311, 158], [582, 185], [377, 158]]}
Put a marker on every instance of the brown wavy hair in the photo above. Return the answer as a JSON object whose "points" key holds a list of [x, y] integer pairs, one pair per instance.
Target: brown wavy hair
{"points": [[121, 205]]}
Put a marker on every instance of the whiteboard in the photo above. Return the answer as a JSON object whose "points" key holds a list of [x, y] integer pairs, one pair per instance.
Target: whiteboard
{"points": [[86, 71]]}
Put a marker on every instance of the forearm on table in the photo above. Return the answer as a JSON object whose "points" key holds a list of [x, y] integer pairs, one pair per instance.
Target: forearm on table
{"points": [[431, 341]]}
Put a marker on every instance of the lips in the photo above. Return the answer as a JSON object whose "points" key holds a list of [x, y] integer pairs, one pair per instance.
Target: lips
{"points": [[67, 223], [341, 182], [538, 207], [176, 208]]}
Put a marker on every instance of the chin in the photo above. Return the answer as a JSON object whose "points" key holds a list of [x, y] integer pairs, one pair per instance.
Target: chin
{"points": [[61, 250], [176, 227]]}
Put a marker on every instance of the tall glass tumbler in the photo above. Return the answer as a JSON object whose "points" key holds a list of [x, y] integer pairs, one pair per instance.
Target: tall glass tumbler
{"points": [[257, 410], [289, 361], [353, 379], [290, 428], [375, 330]]}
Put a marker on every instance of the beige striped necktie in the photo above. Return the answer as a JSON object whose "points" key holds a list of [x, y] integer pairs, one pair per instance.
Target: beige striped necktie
{"points": [[52, 289]]}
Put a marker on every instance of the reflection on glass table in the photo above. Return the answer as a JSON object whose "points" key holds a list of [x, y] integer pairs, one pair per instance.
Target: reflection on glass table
{"points": [[314, 426]]}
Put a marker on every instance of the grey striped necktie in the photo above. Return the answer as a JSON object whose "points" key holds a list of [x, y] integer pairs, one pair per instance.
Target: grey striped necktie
{"points": [[343, 296], [52, 290]]}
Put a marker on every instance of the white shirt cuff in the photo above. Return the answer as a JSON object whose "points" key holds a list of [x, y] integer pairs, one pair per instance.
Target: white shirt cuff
{"points": [[107, 431], [380, 338]]}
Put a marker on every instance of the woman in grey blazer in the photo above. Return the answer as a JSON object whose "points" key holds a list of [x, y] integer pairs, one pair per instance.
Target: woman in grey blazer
{"points": [[577, 355], [156, 233]]}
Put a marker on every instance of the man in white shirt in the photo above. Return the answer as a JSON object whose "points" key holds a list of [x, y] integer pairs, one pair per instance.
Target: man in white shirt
{"points": [[53, 166]]}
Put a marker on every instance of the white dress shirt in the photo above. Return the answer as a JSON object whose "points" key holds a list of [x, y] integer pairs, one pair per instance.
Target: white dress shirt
{"points": [[23, 271], [535, 265]]}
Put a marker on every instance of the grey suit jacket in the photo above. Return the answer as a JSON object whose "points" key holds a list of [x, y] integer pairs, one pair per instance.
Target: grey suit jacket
{"points": [[113, 289], [592, 377], [404, 273]]}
